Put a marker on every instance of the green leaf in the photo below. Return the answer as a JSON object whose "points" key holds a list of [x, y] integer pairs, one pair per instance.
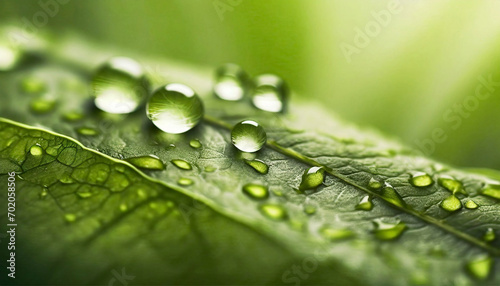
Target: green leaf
{"points": [[86, 211]]}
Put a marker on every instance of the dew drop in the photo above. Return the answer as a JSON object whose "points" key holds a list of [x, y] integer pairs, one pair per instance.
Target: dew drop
{"points": [[185, 182], [70, 217], [255, 191], [388, 231], [36, 150], [42, 105], [451, 204], [150, 162], [248, 136], [312, 178], [119, 85], [195, 143], [273, 211], [390, 195], [470, 204], [489, 235], [365, 204], [480, 267], [231, 82], [335, 234], [84, 194], [175, 108], [421, 179], [451, 184], [87, 131], [181, 164], [270, 93], [44, 193], [492, 191], [374, 184], [258, 165]]}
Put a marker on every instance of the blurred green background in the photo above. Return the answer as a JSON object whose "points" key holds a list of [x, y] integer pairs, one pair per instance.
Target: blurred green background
{"points": [[410, 71]]}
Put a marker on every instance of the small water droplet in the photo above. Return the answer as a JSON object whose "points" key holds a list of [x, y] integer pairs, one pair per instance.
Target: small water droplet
{"points": [[451, 204], [150, 162], [36, 150], [312, 178], [390, 195], [492, 191], [33, 85], [258, 165], [231, 82], [309, 209], [374, 184], [84, 193], [451, 184], [175, 108], [42, 105], [43, 193], [470, 204], [489, 235], [421, 179], [195, 143], [70, 217], [119, 85], [73, 116], [273, 211], [388, 231], [210, 169], [365, 204], [185, 182], [270, 93], [256, 191], [480, 267], [248, 136], [181, 164], [335, 234], [87, 131]]}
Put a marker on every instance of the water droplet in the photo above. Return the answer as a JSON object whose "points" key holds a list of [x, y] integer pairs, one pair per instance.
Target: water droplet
{"points": [[470, 204], [258, 165], [365, 204], [175, 108], [210, 169], [312, 178], [123, 207], [43, 193], [181, 164], [87, 131], [84, 193], [270, 93], [309, 209], [480, 267], [273, 211], [388, 231], [70, 217], [248, 136], [36, 150], [195, 143], [150, 162], [73, 116], [451, 184], [374, 184], [389, 194], [119, 85], [185, 182], [489, 235], [492, 191], [231, 82], [256, 191], [421, 179], [33, 85], [334, 234], [42, 105], [451, 204]]}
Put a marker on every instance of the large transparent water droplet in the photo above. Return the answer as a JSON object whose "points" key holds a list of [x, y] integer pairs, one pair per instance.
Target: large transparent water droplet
{"points": [[248, 136], [255, 191], [389, 194], [195, 143], [312, 178], [388, 231], [480, 267], [270, 93], [421, 179], [365, 204], [175, 108], [489, 235], [451, 204], [36, 150], [231, 82], [119, 85]]}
